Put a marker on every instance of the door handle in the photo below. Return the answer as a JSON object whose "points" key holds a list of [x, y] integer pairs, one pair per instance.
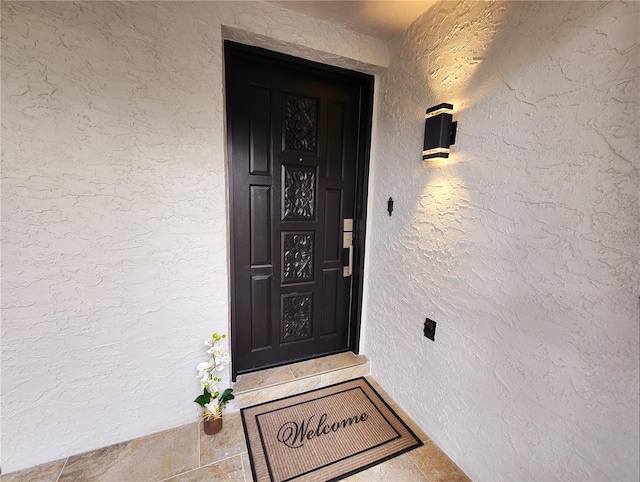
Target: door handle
{"points": [[347, 250], [345, 256]]}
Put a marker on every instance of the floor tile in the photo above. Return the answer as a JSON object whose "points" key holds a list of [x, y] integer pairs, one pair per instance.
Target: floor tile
{"points": [[273, 393], [325, 364], [228, 443], [344, 374], [230, 469], [42, 473], [150, 458], [273, 383], [246, 464], [263, 379], [397, 469], [436, 465]]}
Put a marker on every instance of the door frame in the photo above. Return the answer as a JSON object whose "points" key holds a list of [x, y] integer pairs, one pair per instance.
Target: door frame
{"points": [[366, 84]]}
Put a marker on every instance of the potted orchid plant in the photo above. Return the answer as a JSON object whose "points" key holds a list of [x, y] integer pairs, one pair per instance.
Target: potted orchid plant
{"points": [[212, 402]]}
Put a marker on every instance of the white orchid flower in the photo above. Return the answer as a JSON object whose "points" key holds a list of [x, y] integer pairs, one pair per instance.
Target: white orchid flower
{"points": [[204, 367], [213, 406], [215, 350], [221, 362], [205, 381], [219, 359]]}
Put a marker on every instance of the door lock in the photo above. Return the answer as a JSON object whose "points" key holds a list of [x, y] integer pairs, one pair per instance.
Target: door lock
{"points": [[347, 250]]}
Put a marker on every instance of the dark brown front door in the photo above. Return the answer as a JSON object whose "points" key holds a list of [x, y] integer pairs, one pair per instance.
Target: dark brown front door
{"points": [[295, 138]]}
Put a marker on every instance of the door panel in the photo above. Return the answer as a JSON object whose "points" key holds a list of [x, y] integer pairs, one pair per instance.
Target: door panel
{"points": [[332, 224], [294, 136], [260, 151]]}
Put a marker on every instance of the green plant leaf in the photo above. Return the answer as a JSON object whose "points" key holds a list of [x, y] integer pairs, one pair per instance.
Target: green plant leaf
{"points": [[203, 399], [226, 396]]}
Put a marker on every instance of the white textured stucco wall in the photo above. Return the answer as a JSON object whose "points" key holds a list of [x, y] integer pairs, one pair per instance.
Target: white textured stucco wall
{"points": [[524, 247], [114, 234]]}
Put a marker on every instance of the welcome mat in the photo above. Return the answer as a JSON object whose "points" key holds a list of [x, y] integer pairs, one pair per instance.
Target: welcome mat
{"points": [[325, 434]]}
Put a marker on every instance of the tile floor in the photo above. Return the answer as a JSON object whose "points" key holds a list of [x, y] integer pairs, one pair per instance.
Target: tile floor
{"points": [[186, 454]]}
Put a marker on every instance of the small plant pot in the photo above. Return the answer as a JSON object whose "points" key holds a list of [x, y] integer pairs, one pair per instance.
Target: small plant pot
{"points": [[212, 427]]}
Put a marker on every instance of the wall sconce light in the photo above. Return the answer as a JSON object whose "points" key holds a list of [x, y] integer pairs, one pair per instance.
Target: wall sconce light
{"points": [[439, 132]]}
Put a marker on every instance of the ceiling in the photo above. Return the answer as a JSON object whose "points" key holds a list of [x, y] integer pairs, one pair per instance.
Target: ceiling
{"points": [[383, 19]]}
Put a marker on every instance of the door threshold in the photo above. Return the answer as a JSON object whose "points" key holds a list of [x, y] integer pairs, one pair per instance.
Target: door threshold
{"points": [[281, 381]]}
